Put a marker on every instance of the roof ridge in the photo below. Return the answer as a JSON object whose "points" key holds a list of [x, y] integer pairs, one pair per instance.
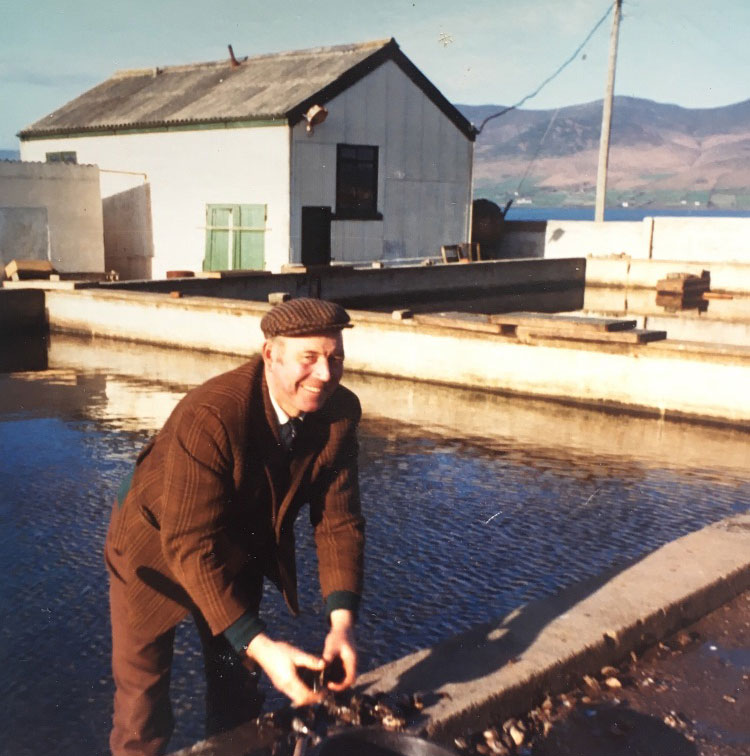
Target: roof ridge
{"points": [[156, 70]]}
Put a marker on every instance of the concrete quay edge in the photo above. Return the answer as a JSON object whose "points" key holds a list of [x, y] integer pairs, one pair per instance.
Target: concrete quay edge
{"points": [[619, 377], [504, 668]]}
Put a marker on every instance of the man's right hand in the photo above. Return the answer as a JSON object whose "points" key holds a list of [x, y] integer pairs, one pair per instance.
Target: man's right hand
{"points": [[279, 661]]}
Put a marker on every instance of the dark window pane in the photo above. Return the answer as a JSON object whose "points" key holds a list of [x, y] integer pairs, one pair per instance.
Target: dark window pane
{"points": [[357, 180], [62, 157]]}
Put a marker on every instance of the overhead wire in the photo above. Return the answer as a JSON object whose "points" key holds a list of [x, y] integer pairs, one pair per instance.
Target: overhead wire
{"points": [[552, 76], [538, 150]]}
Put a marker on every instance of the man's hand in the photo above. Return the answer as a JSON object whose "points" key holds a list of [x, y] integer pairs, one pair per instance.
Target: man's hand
{"points": [[279, 660], [340, 643]]}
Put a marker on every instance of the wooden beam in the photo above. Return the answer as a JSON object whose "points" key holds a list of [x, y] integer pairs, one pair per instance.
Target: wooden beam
{"points": [[530, 334], [563, 323], [465, 321]]}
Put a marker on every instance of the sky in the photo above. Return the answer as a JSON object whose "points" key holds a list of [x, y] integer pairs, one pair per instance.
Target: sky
{"points": [[692, 53]]}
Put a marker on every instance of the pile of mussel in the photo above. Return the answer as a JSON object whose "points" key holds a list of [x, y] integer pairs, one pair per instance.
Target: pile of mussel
{"points": [[305, 727]]}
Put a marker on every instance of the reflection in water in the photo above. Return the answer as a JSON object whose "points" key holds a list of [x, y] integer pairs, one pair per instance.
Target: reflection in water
{"points": [[463, 526], [25, 352]]}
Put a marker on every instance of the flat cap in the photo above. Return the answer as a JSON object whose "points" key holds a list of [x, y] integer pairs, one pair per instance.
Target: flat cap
{"points": [[304, 317]]}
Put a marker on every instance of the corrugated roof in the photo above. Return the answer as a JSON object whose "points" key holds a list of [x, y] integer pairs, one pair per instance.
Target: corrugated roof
{"points": [[263, 87]]}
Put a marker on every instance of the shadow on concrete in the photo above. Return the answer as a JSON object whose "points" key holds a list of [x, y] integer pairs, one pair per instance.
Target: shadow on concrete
{"points": [[606, 730], [128, 232]]}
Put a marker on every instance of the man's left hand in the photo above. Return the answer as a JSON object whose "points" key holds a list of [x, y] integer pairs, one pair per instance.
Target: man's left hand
{"points": [[340, 643]]}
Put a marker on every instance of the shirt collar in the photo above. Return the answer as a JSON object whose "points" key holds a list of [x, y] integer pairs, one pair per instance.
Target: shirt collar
{"points": [[282, 416]]}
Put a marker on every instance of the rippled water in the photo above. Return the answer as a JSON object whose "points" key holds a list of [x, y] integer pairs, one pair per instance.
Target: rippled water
{"points": [[459, 531]]}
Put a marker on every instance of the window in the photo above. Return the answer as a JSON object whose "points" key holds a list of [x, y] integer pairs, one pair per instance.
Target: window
{"points": [[62, 157], [357, 182], [235, 237]]}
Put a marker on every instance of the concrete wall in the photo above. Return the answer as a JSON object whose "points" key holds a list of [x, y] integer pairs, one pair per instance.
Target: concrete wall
{"points": [[424, 172], [637, 254], [701, 239], [182, 172], [24, 234], [522, 239], [128, 234], [657, 238], [596, 239], [626, 272], [648, 378], [436, 409], [70, 197]]}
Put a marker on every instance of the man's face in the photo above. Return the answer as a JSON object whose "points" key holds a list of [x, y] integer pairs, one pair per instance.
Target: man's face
{"points": [[304, 371]]}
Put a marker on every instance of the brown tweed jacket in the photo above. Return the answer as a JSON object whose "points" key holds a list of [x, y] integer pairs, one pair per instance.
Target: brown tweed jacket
{"points": [[213, 500]]}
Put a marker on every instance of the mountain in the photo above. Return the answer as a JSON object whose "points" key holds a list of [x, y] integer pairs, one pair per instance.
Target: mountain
{"points": [[10, 155], [660, 155]]}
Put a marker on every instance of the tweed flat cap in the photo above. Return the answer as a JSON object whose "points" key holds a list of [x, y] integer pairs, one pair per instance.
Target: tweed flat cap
{"points": [[304, 317]]}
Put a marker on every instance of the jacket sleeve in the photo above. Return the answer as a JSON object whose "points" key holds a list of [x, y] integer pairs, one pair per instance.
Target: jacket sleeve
{"points": [[336, 516], [197, 486]]}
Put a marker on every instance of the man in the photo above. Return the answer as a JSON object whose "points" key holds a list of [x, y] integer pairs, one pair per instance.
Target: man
{"points": [[209, 511]]}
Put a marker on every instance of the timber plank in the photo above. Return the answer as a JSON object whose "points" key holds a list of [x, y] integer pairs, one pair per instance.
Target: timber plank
{"points": [[632, 336], [465, 321], [563, 323]]}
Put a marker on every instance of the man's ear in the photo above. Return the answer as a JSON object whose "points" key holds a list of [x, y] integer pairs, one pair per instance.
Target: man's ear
{"points": [[266, 352]]}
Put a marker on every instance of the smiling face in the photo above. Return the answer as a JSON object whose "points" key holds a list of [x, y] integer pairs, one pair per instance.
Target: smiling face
{"points": [[302, 372]]}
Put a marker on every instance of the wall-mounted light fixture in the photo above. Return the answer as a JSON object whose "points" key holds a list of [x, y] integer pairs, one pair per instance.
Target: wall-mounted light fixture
{"points": [[314, 116]]}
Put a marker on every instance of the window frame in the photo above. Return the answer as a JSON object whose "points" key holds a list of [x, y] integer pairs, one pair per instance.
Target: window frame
{"points": [[70, 157], [345, 210], [247, 224]]}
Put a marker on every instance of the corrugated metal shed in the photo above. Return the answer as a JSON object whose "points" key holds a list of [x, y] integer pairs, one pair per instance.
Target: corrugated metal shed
{"points": [[279, 86]]}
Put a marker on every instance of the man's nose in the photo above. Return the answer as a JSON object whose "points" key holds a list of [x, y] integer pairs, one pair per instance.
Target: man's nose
{"points": [[322, 371]]}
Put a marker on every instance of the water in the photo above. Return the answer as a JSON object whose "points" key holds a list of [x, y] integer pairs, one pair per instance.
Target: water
{"points": [[534, 212], [475, 504]]}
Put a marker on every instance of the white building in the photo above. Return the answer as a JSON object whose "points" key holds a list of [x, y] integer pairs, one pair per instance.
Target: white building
{"points": [[51, 211], [214, 166]]}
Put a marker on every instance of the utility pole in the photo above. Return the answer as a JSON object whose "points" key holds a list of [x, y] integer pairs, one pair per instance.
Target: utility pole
{"points": [[601, 174]]}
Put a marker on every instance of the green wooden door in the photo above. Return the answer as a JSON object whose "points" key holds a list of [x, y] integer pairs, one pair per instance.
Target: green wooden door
{"points": [[235, 237]]}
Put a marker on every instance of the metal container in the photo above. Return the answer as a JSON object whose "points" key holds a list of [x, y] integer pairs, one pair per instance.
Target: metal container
{"points": [[373, 741]]}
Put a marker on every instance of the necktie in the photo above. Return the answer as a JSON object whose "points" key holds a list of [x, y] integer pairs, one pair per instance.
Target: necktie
{"points": [[289, 431]]}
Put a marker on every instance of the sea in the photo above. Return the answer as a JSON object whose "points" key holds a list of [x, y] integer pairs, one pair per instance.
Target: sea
{"points": [[538, 213]]}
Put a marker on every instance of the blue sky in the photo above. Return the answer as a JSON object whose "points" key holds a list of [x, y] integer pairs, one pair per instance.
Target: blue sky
{"points": [[689, 52]]}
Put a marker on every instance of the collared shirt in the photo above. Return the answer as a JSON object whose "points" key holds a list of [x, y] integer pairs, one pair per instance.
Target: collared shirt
{"points": [[282, 416]]}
